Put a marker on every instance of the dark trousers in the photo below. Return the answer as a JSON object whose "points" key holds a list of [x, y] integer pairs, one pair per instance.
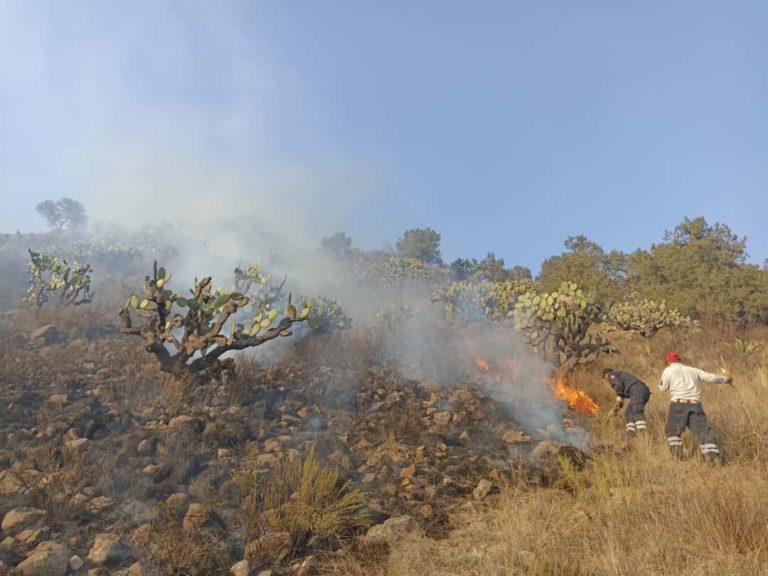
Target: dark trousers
{"points": [[634, 415], [682, 416]]}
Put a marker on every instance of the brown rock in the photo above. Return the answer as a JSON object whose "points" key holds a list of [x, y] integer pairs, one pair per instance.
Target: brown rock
{"points": [[408, 472], [48, 559], [306, 567], [269, 549], [195, 518], [513, 436], [47, 334], [482, 490], [240, 568], [390, 531], [17, 519], [107, 550]]}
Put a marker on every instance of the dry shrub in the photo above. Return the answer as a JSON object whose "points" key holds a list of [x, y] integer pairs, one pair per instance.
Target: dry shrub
{"points": [[175, 552], [240, 384], [305, 498], [56, 477]]}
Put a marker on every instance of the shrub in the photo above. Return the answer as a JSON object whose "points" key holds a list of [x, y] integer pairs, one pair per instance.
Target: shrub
{"points": [[304, 498], [471, 301], [644, 316], [50, 275], [328, 315]]}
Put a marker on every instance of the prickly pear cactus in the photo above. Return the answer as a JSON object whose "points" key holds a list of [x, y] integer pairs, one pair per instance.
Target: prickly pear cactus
{"points": [[471, 301], [396, 271], [644, 316], [558, 324], [50, 275], [327, 315], [199, 328]]}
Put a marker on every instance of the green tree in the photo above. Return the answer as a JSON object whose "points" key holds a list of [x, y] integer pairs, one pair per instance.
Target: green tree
{"points": [[65, 212], [701, 270], [463, 268], [588, 265], [338, 244], [420, 244]]}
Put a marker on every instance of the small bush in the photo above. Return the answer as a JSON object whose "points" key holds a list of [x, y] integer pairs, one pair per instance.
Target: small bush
{"points": [[305, 498]]}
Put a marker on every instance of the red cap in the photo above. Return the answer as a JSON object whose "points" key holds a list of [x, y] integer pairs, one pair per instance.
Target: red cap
{"points": [[672, 357]]}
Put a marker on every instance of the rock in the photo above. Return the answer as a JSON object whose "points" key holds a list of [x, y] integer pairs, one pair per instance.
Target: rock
{"points": [[240, 568], [390, 531], [139, 512], [31, 536], [48, 559], [99, 504], [442, 418], [513, 436], [482, 490], [195, 518], [75, 563], [269, 549], [178, 502], [108, 550], [76, 444], [47, 334], [135, 569], [186, 422], [265, 573], [306, 567], [141, 536], [79, 500], [17, 519], [146, 447], [58, 399]]}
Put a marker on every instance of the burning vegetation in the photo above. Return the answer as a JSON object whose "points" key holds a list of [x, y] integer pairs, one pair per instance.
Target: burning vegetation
{"points": [[254, 430]]}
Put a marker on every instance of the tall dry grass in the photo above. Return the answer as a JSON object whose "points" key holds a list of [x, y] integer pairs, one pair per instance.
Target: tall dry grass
{"points": [[631, 511]]}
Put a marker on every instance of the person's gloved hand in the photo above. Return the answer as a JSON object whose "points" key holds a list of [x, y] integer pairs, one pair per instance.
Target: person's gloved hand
{"points": [[615, 410]]}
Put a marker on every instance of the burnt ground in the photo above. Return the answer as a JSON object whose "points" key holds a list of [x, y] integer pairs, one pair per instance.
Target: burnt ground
{"points": [[103, 459]]}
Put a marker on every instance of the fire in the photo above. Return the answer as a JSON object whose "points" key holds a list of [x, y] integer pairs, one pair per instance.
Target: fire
{"points": [[577, 400], [482, 364]]}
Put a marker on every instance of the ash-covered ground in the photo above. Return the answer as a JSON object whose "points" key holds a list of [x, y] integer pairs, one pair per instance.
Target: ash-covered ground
{"points": [[108, 466]]}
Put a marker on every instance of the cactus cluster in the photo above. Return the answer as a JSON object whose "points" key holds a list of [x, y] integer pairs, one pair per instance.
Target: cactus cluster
{"points": [[328, 315], [644, 316], [396, 271], [470, 301], [558, 323], [199, 328], [50, 275]]}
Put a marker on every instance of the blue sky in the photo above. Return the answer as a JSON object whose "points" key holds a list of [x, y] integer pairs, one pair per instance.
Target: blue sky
{"points": [[506, 126]]}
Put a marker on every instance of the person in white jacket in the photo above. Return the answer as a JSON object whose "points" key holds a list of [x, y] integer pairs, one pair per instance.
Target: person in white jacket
{"points": [[685, 410]]}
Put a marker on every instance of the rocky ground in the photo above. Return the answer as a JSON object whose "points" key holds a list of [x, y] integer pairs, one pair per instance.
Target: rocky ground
{"points": [[108, 467]]}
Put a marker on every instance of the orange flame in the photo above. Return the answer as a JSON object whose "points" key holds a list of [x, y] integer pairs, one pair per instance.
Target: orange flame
{"points": [[482, 364], [577, 400]]}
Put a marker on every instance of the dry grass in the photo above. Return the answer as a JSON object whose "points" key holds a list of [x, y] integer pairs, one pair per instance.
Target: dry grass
{"points": [[171, 551], [57, 476], [635, 512], [305, 498]]}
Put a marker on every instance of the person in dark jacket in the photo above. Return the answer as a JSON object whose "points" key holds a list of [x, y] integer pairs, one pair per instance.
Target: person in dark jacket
{"points": [[626, 386]]}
